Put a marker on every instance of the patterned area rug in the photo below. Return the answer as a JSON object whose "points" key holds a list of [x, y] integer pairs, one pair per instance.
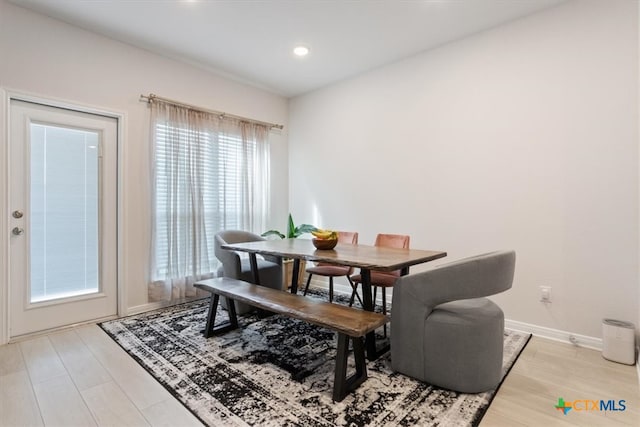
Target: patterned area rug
{"points": [[278, 371]]}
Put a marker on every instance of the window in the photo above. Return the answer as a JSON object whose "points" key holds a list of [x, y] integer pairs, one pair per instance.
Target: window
{"points": [[209, 175]]}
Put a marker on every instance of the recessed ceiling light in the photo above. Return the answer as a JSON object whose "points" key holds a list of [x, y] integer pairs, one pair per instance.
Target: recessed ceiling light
{"points": [[301, 50]]}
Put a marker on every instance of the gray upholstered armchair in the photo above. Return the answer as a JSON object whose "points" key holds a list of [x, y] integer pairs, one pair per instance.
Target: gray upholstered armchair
{"points": [[442, 329], [236, 267]]}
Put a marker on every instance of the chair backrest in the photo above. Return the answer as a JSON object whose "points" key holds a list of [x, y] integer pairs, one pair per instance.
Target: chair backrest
{"points": [[238, 236], [349, 237], [400, 241], [230, 259], [473, 277]]}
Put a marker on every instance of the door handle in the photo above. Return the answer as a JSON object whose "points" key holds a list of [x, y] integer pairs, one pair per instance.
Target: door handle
{"points": [[17, 231], [17, 214]]}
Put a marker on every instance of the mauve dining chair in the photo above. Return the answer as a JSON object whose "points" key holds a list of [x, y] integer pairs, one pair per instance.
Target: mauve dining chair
{"points": [[332, 270]]}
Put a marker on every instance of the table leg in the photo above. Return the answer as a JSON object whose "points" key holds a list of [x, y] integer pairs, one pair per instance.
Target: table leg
{"points": [[373, 352], [253, 261], [370, 340], [294, 276], [366, 289]]}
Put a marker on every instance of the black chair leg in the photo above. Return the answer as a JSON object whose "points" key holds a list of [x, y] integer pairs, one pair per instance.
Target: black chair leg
{"points": [[354, 293], [307, 287]]}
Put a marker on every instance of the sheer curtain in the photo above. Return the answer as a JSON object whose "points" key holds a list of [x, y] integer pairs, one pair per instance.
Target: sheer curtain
{"points": [[209, 173]]}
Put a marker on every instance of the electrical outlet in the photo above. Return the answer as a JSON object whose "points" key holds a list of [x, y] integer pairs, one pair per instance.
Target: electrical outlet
{"points": [[545, 294]]}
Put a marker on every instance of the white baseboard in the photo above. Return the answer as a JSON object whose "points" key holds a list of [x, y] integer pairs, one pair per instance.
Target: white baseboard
{"points": [[555, 334], [638, 364], [142, 308]]}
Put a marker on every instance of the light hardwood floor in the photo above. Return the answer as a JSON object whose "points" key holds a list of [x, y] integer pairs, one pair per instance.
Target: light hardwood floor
{"points": [[80, 377], [548, 370]]}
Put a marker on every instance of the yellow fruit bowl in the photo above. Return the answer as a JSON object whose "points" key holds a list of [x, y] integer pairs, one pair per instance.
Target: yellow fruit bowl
{"points": [[324, 244]]}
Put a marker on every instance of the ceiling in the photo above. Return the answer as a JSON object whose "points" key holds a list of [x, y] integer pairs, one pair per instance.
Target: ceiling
{"points": [[252, 41]]}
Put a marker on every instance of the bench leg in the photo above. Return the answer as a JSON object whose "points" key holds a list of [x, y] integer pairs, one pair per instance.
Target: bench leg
{"points": [[341, 384], [233, 317], [209, 329]]}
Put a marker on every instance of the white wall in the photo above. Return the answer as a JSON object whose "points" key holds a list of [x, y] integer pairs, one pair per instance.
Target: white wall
{"points": [[522, 137], [51, 59]]}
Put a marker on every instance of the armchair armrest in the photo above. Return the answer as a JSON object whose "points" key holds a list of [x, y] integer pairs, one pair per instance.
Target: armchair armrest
{"points": [[473, 277], [230, 259]]}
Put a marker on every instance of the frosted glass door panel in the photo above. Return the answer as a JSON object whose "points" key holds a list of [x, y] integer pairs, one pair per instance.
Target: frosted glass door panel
{"points": [[63, 197], [64, 238]]}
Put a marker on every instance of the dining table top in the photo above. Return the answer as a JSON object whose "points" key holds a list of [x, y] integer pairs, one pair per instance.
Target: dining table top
{"points": [[362, 256]]}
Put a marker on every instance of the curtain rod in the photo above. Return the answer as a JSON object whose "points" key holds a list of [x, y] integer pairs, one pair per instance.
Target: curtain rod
{"points": [[151, 97]]}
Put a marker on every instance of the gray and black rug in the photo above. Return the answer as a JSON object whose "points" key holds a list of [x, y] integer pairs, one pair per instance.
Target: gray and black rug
{"points": [[278, 371]]}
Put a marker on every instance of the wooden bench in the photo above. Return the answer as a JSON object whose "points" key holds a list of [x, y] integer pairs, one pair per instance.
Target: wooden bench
{"points": [[350, 323]]}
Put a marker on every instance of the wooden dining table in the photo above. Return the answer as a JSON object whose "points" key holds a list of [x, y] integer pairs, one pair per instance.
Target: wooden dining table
{"points": [[365, 257]]}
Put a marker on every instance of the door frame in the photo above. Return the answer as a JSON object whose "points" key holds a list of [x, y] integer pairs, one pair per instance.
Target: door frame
{"points": [[6, 95]]}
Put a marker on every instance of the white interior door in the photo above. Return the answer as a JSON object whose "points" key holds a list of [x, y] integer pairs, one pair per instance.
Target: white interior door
{"points": [[63, 201]]}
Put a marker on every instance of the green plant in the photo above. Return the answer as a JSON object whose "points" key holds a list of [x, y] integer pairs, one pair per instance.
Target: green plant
{"points": [[292, 230]]}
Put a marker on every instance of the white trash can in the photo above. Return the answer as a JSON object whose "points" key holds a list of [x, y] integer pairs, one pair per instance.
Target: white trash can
{"points": [[618, 341]]}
